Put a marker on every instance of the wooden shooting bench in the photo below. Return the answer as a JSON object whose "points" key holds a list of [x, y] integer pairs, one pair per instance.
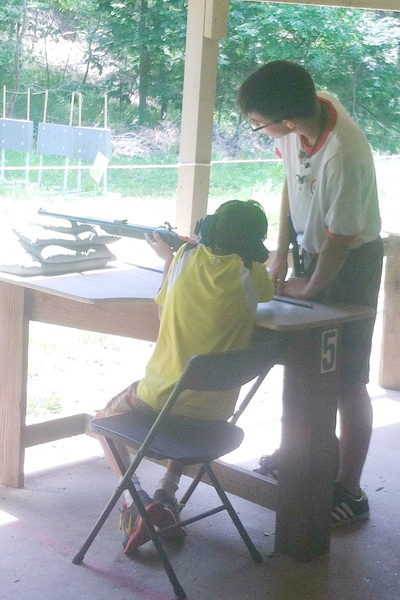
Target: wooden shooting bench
{"points": [[121, 302]]}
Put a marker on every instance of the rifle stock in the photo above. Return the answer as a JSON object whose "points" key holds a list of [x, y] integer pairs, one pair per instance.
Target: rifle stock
{"points": [[123, 228]]}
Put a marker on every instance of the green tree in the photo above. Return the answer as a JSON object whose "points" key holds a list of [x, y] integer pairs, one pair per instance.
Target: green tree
{"points": [[146, 40], [21, 24], [134, 51], [13, 26], [351, 53]]}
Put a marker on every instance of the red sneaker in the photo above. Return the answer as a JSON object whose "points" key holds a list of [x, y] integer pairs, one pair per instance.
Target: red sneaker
{"points": [[171, 503], [160, 517]]}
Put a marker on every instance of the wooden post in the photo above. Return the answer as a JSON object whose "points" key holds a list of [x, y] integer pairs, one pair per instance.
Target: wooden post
{"points": [[28, 104], [79, 171], [71, 121], [105, 176], [3, 155], [308, 452], [46, 101], [13, 376], [206, 20], [4, 101], [71, 110], [390, 349], [105, 111], [28, 116], [40, 171]]}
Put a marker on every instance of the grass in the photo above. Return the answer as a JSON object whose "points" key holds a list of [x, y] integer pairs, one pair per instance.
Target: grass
{"points": [[73, 371], [45, 405]]}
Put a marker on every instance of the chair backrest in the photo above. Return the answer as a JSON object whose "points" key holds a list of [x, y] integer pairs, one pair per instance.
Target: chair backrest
{"points": [[217, 372], [229, 370]]}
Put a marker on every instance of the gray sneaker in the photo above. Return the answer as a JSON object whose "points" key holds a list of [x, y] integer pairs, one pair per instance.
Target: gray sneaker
{"points": [[269, 465], [348, 508]]}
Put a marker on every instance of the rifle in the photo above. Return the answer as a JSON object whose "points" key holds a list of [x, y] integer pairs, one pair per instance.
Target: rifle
{"points": [[123, 228], [296, 252]]}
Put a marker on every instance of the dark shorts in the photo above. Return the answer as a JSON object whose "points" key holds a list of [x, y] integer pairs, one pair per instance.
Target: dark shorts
{"points": [[358, 282]]}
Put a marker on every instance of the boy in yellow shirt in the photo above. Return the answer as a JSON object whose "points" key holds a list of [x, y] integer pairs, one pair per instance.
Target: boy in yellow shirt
{"points": [[207, 303]]}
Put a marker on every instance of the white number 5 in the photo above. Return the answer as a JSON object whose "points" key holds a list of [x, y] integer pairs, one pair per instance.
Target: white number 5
{"points": [[329, 351]]}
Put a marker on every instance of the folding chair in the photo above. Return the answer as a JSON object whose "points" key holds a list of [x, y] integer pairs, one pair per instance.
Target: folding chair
{"points": [[190, 441]]}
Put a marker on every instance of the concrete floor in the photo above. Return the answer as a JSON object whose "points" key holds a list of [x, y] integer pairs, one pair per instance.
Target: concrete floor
{"points": [[43, 525]]}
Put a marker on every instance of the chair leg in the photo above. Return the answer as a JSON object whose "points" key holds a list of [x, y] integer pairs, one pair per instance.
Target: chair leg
{"points": [[124, 484], [155, 538], [78, 558], [187, 495], [233, 515]]}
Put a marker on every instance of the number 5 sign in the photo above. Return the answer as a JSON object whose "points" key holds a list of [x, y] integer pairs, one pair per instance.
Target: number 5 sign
{"points": [[329, 350]]}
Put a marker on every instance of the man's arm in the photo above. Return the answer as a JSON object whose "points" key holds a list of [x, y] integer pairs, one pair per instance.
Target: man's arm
{"points": [[279, 266], [330, 260]]}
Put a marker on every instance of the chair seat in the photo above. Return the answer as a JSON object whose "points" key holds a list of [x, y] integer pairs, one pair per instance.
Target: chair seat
{"points": [[191, 441]]}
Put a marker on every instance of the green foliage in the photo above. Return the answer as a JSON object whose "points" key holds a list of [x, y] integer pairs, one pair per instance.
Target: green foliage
{"points": [[353, 54], [146, 40], [133, 50]]}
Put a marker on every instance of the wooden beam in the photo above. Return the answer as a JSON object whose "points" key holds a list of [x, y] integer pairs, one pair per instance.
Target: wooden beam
{"points": [[242, 483], [367, 4], [55, 429]]}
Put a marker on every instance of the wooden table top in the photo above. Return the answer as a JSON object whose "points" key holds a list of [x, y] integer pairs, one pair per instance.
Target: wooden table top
{"points": [[140, 284], [279, 316], [108, 284]]}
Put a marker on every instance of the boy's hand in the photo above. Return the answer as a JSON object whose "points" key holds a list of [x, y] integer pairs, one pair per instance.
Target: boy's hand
{"points": [[188, 240], [160, 247]]}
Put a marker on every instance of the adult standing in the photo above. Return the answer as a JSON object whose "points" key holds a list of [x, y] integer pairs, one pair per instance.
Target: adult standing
{"points": [[330, 195]]}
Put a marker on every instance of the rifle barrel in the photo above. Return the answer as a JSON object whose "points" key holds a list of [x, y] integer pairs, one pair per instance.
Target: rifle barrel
{"points": [[123, 228]]}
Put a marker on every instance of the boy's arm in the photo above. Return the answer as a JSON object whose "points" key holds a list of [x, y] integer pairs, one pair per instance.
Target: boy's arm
{"points": [[162, 250]]}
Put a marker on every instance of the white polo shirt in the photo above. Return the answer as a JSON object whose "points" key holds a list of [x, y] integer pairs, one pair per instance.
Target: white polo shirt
{"points": [[332, 192]]}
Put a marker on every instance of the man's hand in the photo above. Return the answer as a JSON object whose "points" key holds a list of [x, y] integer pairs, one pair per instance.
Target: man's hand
{"points": [[279, 264], [330, 260], [296, 288], [277, 272]]}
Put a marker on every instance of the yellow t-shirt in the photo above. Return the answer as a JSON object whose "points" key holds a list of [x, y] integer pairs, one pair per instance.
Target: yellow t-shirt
{"points": [[209, 305]]}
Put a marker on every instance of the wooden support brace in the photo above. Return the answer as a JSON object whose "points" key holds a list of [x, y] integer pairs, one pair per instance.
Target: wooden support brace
{"points": [[55, 429]]}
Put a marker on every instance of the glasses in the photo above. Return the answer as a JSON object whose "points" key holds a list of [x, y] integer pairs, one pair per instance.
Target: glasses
{"points": [[258, 127]]}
